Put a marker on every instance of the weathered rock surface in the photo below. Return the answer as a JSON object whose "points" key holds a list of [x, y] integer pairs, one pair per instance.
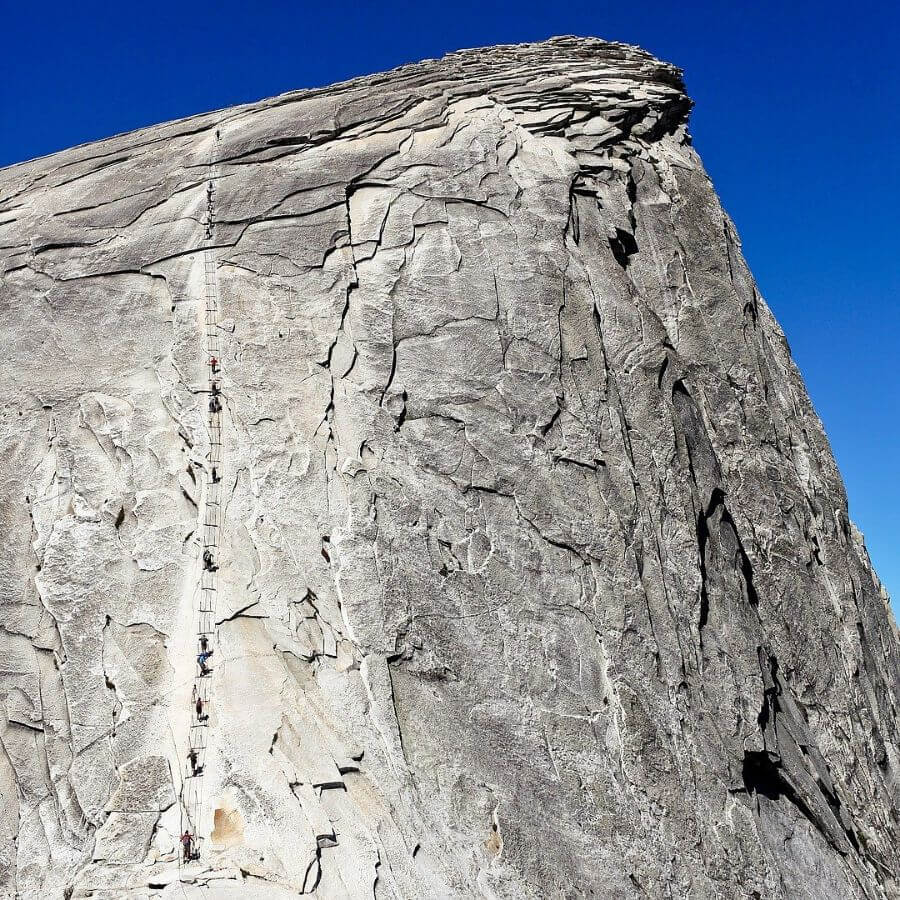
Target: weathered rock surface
{"points": [[536, 577]]}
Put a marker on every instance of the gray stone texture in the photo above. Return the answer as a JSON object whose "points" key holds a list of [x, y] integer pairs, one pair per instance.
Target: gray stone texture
{"points": [[536, 575]]}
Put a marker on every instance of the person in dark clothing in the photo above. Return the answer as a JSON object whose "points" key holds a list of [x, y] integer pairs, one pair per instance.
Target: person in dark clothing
{"points": [[208, 563], [192, 759], [214, 364], [215, 476], [187, 841], [201, 716], [204, 643]]}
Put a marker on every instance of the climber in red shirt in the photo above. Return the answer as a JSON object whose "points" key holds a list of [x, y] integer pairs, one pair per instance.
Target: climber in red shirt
{"points": [[187, 839]]}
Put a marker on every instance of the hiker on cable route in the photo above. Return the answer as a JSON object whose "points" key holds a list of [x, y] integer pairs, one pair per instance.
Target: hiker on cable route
{"points": [[208, 563], [201, 661], [192, 759], [187, 841]]}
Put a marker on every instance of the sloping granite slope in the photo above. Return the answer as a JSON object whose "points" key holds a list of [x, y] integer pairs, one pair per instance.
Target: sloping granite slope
{"points": [[535, 576]]}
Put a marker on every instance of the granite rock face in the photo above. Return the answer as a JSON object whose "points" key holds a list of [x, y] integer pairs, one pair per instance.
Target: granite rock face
{"points": [[532, 571]]}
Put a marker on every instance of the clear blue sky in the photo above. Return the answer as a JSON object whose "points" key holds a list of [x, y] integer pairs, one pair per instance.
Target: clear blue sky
{"points": [[797, 120]]}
